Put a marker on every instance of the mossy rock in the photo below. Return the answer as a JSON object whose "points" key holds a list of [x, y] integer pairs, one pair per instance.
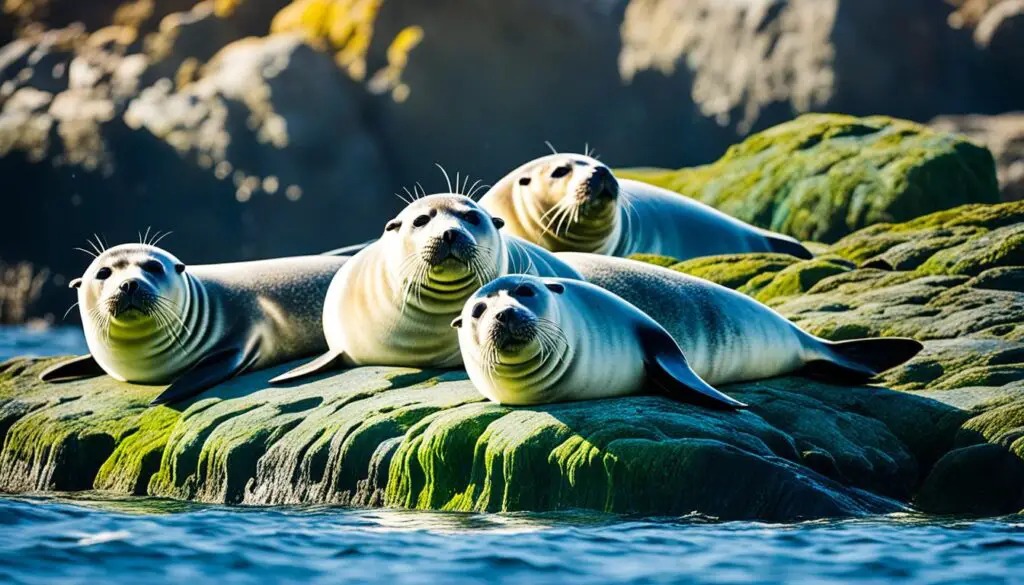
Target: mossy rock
{"points": [[428, 440], [823, 176]]}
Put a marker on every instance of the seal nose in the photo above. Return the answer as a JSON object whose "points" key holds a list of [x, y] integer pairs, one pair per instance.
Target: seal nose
{"points": [[129, 286], [504, 315], [607, 186]]}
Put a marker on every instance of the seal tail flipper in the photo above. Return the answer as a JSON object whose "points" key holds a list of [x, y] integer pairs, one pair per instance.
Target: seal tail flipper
{"points": [[349, 250], [667, 368], [860, 360], [73, 369], [328, 361], [209, 371], [786, 245]]}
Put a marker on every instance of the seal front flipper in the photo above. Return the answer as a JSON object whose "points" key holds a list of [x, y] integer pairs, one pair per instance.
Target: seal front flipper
{"points": [[329, 361], [209, 371], [667, 368], [73, 369]]}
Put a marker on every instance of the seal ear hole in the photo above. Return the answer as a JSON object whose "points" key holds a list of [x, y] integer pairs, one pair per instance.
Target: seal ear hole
{"points": [[457, 323], [103, 273], [392, 225], [498, 222], [179, 268], [561, 171], [479, 309], [76, 283], [555, 287], [524, 181]]}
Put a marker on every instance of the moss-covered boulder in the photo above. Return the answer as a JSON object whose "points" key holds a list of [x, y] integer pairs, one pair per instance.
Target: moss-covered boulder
{"points": [[823, 176], [943, 433]]}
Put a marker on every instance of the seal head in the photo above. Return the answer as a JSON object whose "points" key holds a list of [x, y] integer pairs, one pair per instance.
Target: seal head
{"points": [[561, 202], [441, 248]]}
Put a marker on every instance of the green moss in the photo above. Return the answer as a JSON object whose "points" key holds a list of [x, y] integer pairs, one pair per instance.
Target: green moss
{"points": [[800, 278], [823, 176], [735, 270]]}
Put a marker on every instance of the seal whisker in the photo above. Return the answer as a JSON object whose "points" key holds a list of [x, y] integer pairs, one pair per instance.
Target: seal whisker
{"points": [[86, 251], [423, 192], [551, 147], [446, 178], [94, 247], [68, 312], [158, 239]]}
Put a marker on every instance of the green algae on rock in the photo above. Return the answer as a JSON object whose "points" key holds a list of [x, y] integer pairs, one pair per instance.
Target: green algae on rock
{"points": [[428, 440], [823, 176]]}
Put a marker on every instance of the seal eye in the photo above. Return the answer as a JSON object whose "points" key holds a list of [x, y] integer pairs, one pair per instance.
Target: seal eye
{"points": [[103, 273], [523, 291], [561, 171], [473, 217], [421, 221], [524, 181], [479, 310], [153, 267], [392, 225]]}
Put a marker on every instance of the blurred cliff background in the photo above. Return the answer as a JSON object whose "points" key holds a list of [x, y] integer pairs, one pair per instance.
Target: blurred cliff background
{"points": [[254, 128]]}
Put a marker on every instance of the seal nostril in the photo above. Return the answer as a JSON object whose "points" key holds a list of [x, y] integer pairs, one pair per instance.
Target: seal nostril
{"points": [[503, 315], [449, 236], [129, 286]]}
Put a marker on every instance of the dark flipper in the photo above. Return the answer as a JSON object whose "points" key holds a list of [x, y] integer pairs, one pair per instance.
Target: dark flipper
{"points": [[860, 360], [208, 372], [349, 250], [784, 245], [73, 369], [667, 368], [328, 361]]}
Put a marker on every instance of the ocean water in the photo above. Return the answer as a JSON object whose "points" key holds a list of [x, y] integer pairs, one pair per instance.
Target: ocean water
{"points": [[99, 539]]}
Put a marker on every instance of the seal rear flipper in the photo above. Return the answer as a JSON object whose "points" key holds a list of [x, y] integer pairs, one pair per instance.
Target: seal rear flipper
{"points": [[208, 372], [859, 360], [73, 369], [328, 361], [667, 368], [784, 245]]}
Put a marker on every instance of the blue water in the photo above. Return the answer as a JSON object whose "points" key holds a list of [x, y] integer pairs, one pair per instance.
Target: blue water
{"points": [[45, 541], [91, 539]]}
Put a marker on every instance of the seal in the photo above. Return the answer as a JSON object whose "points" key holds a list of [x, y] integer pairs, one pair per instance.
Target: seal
{"points": [[574, 203], [148, 319], [527, 340], [392, 303], [730, 337]]}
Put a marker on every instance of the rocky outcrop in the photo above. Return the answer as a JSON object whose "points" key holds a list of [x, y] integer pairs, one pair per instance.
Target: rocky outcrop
{"points": [[1003, 135], [943, 433], [173, 112], [822, 176]]}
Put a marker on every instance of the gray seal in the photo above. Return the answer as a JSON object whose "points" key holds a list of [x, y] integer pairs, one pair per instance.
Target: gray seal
{"points": [[574, 203], [392, 303], [150, 320]]}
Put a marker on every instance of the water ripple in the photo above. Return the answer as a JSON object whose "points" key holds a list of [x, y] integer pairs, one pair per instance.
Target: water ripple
{"points": [[87, 539]]}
